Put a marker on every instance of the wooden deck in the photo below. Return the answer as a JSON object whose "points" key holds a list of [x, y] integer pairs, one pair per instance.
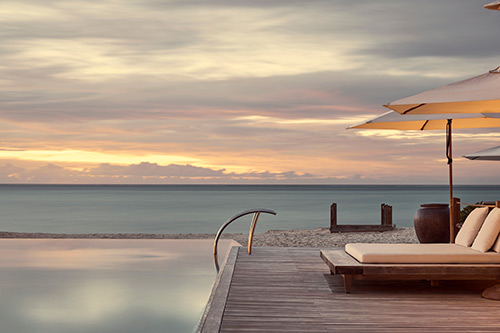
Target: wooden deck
{"points": [[291, 290]]}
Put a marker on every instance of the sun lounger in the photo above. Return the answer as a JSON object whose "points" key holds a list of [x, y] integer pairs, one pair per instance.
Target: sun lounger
{"points": [[340, 262], [433, 262]]}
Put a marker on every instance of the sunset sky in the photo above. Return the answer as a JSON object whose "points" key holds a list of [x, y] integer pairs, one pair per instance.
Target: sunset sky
{"points": [[220, 91]]}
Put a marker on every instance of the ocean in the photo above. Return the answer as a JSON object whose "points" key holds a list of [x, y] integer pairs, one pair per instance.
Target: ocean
{"points": [[185, 209]]}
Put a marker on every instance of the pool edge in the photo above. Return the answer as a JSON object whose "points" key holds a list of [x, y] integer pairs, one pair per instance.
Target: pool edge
{"points": [[212, 316]]}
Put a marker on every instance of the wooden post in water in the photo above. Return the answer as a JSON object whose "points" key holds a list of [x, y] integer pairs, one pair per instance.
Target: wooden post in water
{"points": [[386, 215], [333, 217]]}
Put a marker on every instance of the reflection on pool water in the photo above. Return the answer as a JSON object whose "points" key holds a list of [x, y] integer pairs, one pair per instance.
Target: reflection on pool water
{"points": [[98, 285]]}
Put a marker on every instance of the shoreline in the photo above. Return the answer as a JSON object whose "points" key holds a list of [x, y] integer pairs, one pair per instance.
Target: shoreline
{"points": [[318, 237]]}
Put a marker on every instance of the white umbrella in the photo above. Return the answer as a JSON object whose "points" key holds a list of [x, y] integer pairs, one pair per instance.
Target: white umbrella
{"points": [[492, 154], [493, 6], [395, 121], [480, 94]]}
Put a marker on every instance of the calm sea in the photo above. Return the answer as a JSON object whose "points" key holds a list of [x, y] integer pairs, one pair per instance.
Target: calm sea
{"points": [[203, 208]]}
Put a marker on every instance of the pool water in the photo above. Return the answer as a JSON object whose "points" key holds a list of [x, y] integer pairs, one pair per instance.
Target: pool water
{"points": [[98, 285]]}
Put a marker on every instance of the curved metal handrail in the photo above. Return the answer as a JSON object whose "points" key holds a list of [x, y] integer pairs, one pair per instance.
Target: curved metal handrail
{"points": [[255, 217]]}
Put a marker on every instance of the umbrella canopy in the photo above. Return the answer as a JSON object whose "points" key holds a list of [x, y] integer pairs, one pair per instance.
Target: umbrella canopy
{"points": [[492, 154], [395, 121], [493, 6], [480, 94]]}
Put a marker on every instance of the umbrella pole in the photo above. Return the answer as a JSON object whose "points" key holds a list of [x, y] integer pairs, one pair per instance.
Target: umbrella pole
{"points": [[449, 155]]}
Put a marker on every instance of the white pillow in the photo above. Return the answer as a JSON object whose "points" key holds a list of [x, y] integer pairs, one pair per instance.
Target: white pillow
{"points": [[489, 231], [496, 247], [471, 226]]}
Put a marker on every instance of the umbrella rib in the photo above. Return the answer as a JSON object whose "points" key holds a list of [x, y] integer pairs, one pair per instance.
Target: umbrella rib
{"points": [[413, 108], [425, 124]]}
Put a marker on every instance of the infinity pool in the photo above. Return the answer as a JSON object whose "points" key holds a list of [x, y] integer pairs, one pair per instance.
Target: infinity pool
{"points": [[77, 285]]}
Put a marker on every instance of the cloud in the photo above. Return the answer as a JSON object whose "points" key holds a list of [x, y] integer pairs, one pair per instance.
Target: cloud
{"points": [[96, 43], [136, 173], [175, 172], [154, 170], [10, 173], [178, 58], [212, 89], [45, 174]]}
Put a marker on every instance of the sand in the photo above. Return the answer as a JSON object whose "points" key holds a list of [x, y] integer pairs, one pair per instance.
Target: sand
{"points": [[319, 237]]}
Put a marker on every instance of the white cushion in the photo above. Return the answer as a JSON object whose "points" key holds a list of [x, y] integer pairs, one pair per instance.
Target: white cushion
{"points": [[429, 253], [496, 246], [489, 232], [471, 226]]}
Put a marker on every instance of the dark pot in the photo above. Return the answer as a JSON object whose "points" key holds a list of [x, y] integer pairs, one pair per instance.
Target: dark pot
{"points": [[432, 223]]}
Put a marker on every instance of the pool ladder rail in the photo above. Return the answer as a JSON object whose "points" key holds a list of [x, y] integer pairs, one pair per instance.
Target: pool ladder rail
{"points": [[256, 214]]}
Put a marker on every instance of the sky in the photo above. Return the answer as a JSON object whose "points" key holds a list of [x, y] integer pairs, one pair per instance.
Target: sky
{"points": [[234, 92]]}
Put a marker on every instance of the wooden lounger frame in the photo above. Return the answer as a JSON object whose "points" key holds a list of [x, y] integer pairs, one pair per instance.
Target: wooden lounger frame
{"points": [[342, 263]]}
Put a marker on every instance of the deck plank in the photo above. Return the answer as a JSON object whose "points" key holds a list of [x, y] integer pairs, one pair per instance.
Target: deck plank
{"points": [[292, 290]]}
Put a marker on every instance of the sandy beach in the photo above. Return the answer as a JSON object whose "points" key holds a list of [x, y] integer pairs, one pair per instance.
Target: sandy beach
{"points": [[318, 237]]}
